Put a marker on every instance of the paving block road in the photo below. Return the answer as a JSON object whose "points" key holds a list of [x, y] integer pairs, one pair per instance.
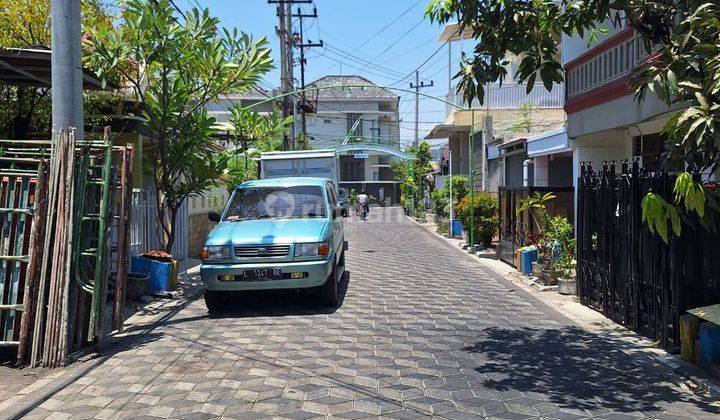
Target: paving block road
{"points": [[423, 331]]}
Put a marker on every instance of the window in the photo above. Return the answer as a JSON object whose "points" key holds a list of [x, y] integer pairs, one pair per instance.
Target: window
{"points": [[276, 203], [351, 120], [649, 148]]}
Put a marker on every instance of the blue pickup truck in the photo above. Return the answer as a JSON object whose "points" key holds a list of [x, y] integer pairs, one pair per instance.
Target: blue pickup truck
{"points": [[282, 233]]}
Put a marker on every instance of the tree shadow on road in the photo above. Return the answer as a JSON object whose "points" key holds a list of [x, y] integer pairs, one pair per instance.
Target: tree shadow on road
{"points": [[578, 370], [278, 303]]}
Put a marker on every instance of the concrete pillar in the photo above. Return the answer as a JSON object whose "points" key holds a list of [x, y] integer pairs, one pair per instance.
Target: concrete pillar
{"points": [[541, 175], [66, 78]]}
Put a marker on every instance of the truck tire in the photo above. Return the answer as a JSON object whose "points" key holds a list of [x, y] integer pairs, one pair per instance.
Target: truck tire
{"points": [[329, 291], [215, 301]]}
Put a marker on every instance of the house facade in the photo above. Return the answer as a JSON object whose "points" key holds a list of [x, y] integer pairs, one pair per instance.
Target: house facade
{"points": [[505, 123], [605, 123], [361, 121]]}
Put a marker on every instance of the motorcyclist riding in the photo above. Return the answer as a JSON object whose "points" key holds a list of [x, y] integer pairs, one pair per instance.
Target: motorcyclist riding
{"points": [[363, 201]]}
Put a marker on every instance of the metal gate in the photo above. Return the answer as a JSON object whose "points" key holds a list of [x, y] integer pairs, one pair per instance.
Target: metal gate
{"points": [[146, 232], [630, 274]]}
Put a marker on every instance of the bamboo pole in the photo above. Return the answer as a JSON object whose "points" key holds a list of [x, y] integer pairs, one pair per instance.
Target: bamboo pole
{"points": [[35, 254], [123, 236]]}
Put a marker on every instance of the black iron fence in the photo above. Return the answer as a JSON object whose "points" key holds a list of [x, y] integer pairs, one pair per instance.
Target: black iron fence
{"points": [[515, 228], [630, 274]]}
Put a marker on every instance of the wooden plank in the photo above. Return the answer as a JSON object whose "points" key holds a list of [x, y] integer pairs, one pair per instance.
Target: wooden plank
{"points": [[18, 248], [35, 253], [709, 313]]}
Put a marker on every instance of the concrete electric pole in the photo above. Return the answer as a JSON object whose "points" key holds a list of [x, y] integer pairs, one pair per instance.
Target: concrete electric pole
{"points": [[66, 64], [417, 86], [300, 43], [284, 32]]}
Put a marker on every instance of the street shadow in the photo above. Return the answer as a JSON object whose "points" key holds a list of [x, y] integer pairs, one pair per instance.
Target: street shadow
{"points": [[576, 370], [279, 303]]}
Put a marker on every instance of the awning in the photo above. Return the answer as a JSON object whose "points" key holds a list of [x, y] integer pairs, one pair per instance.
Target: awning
{"points": [[31, 67], [548, 143], [444, 131]]}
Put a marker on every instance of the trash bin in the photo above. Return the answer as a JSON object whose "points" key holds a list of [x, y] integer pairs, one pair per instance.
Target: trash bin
{"points": [[136, 285], [529, 255], [457, 228], [159, 272]]}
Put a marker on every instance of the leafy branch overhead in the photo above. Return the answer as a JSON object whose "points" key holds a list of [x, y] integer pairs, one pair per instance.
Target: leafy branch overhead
{"points": [[172, 65], [682, 68]]}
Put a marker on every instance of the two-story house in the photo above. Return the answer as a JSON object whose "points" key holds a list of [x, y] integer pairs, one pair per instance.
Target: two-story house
{"points": [[605, 123], [526, 142], [360, 120]]}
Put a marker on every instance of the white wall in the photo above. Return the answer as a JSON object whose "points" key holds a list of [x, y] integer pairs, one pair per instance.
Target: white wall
{"points": [[574, 46]]}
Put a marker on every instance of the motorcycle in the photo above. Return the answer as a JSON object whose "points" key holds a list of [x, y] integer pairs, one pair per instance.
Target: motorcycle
{"points": [[363, 211]]}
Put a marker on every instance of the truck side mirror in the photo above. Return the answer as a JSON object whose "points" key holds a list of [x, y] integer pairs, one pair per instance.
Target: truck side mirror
{"points": [[213, 216], [337, 211]]}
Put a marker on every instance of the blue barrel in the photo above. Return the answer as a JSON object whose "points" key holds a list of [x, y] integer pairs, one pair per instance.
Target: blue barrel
{"points": [[159, 273], [528, 256], [457, 228]]}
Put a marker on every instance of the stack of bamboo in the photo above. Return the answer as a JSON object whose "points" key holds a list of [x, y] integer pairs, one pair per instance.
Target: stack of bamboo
{"points": [[51, 328]]}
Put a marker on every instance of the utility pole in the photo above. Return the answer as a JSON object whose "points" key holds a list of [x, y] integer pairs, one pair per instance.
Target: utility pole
{"points": [[417, 86], [300, 43], [65, 61], [284, 32]]}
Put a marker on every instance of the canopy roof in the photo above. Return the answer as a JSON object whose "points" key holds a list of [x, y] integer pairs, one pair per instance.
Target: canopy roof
{"points": [[31, 67]]}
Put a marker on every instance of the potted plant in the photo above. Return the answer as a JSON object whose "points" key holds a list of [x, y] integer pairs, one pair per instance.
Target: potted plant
{"points": [[567, 281]]}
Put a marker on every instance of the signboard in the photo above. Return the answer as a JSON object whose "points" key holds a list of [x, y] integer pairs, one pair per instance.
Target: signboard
{"points": [[361, 155]]}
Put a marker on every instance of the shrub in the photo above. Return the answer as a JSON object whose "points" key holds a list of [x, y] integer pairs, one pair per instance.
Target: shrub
{"points": [[485, 208], [441, 197], [440, 201]]}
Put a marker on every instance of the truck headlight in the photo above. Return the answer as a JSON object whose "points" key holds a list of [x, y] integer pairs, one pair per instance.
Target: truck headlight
{"points": [[215, 253], [312, 249]]}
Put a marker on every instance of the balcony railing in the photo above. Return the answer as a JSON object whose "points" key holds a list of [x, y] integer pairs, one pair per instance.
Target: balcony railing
{"points": [[604, 64], [512, 96]]}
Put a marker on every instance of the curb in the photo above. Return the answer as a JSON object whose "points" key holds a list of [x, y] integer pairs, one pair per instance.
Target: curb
{"points": [[686, 371]]}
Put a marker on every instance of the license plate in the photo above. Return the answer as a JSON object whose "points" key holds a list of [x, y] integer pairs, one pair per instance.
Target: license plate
{"points": [[262, 274]]}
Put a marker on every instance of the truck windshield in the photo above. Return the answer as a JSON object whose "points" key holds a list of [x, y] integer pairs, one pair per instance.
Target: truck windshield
{"points": [[276, 203]]}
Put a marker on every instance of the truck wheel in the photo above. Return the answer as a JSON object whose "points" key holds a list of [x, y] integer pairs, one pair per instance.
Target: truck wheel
{"points": [[329, 291], [214, 300]]}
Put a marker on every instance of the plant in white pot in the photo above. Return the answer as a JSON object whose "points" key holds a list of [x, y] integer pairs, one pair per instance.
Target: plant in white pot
{"points": [[566, 276]]}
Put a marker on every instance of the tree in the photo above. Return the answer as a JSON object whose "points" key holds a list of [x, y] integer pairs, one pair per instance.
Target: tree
{"points": [[25, 110], [253, 133], [683, 67], [421, 168], [174, 64], [525, 123]]}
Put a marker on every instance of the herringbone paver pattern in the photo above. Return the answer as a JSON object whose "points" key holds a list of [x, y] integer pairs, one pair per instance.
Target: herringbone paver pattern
{"points": [[422, 331]]}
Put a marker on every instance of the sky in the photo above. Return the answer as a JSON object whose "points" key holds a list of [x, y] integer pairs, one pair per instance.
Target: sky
{"points": [[381, 40]]}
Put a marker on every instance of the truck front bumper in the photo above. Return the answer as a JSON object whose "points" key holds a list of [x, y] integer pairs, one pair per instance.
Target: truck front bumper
{"points": [[317, 273]]}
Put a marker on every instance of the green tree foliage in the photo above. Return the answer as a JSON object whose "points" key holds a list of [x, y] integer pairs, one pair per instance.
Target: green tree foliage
{"points": [[441, 196], [173, 66], [253, 134], [25, 110], [683, 67], [485, 207], [421, 168], [525, 118]]}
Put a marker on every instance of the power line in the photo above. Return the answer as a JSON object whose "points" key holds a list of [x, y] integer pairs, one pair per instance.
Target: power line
{"points": [[398, 39], [421, 65], [386, 26], [357, 59]]}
